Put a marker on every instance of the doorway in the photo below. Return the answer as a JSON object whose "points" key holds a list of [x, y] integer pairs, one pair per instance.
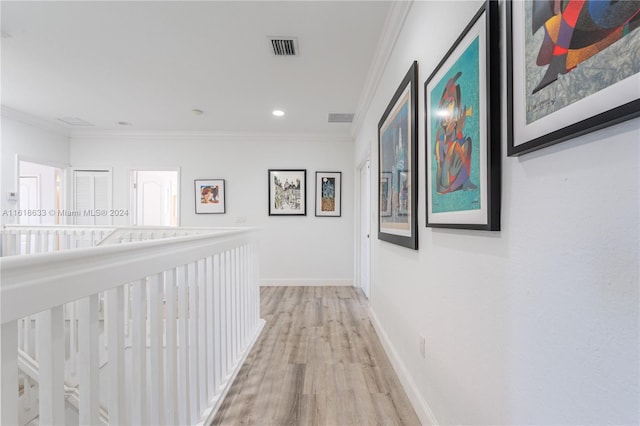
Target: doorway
{"points": [[364, 270], [154, 197], [41, 193]]}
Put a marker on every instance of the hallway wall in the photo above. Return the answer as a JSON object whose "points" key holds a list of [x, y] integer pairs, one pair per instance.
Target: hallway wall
{"points": [[537, 323], [31, 140], [296, 250]]}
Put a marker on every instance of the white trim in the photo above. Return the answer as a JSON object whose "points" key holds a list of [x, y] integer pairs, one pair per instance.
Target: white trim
{"points": [[210, 136], [288, 282], [420, 406], [34, 121], [393, 24]]}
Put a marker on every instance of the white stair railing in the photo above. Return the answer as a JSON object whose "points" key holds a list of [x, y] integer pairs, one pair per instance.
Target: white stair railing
{"points": [[193, 314]]}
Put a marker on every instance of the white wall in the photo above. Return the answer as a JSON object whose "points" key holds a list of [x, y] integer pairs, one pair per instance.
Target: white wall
{"points": [[30, 140], [537, 323], [295, 250]]}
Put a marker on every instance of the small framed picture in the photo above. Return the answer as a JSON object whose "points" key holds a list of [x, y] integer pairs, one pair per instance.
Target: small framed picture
{"points": [[287, 192], [385, 194], [328, 194], [210, 196]]}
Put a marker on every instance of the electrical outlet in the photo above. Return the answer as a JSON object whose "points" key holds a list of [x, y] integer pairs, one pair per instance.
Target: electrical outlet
{"points": [[423, 348]]}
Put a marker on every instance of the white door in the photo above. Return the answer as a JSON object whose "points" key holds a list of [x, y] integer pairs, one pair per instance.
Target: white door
{"points": [[365, 229], [29, 199], [42, 189], [155, 197], [92, 197]]}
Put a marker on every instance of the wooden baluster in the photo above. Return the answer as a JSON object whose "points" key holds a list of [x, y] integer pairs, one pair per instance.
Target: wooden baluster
{"points": [[183, 346], [234, 303], [27, 246], [50, 333], [9, 374], [156, 294], [139, 407], [243, 296], [255, 285], [228, 285], [203, 329], [210, 330], [194, 363], [172, 348], [88, 360], [73, 333], [224, 271], [115, 347], [217, 319]]}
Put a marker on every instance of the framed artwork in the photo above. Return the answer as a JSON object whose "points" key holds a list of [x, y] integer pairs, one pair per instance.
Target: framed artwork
{"points": [[385, 194], [210, 196], [462, 129], [328, 194], [572, 68], [287, 192], [398, 165]]}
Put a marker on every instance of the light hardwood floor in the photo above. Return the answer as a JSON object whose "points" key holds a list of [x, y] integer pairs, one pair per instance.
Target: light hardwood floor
{"points": [[318, 361]]}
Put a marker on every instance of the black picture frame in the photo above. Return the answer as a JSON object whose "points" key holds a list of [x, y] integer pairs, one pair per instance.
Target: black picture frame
{"points": [[398, 153], [547, 105], [287, 192], [328, 194], [463, 128]]}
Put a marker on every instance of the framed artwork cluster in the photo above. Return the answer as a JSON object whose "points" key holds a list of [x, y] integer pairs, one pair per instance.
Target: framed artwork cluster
{"points": [[572, 68], [288, 193]]}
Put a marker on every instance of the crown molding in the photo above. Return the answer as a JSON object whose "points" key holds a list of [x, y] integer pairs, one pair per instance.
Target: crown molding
{"points": [[31, 120], [393, 24], [208, 136]]}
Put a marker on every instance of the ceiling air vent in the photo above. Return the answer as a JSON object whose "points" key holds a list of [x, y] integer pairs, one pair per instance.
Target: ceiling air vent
{"points": [[284, 46], [340, 117], [75, 121]]}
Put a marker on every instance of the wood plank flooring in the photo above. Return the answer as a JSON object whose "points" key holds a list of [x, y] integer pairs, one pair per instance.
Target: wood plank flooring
{"points": [[318, 361]]}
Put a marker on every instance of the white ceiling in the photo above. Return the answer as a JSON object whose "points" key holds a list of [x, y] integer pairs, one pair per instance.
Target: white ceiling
{"points": [[151, 63]]}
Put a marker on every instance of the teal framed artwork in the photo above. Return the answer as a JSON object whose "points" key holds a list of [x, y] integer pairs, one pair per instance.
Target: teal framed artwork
{"points": [[398, 165], [462, 130]]}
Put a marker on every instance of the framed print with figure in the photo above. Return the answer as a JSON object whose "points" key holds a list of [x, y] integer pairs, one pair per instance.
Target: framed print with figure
{"points": [[398, 165], [462, 129], [210, 196]]}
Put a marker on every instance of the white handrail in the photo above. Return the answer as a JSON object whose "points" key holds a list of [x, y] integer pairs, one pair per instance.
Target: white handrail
{"points": [[77, 273], [189, 303]]}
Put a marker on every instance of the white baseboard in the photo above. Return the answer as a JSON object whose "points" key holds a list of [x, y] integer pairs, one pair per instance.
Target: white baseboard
{"points": [[286, 282], [422, 409]]}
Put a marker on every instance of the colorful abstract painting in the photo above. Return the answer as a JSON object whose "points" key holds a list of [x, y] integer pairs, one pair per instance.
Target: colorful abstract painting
{"points": [[455, 132], [463, 127], [576, 48], [394, 158], [397, 165]]}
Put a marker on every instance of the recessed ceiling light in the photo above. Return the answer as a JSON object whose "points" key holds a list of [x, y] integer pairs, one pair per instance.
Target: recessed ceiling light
{"points": [[278, 113]]}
